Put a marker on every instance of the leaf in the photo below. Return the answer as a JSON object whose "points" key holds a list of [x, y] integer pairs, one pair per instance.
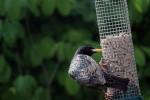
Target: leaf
{"points": [[61, 75], [12, 90], [138, 5], [21, 30], [134, 15], [20, 85], [1, 27], [31, 81], [139, 57], [141, 5], [54, 49], [40, 93], [45, 46], [33, 6], [70, 51], [9, 94], [71, 86], [25, 84], [35, 58], [2, 63], [6, 74], [48, 7], [63, 7], [10, 32], [7, 5], [13, 10], [76, 36], [1, 6], [59, 50], [145, 4], [146, 50]]}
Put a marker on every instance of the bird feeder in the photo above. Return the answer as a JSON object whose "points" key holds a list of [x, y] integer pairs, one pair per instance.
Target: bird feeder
{"points": [[116, 42]]}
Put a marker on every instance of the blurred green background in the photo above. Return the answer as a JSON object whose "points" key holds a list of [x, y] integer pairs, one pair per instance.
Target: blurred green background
{"points": [[38, 39]]}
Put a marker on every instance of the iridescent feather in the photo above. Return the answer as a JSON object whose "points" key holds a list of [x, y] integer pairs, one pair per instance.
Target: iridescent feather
{"points": [[84, 70]]}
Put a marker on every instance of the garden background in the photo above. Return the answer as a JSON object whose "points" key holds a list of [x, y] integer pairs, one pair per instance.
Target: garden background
{"points": [[38, 39]]}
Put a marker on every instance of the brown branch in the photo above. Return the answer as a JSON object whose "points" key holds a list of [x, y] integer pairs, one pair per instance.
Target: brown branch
{"points": [[52, 78], [35, 50], [54, 73], [48, 80]]}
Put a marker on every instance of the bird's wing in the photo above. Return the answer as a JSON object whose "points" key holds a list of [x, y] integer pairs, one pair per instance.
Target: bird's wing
{"points": [[79, 70], [97, 75], [84, 70]]}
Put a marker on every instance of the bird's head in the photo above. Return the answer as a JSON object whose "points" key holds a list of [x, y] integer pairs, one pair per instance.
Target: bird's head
{"points": [[87, 50]]}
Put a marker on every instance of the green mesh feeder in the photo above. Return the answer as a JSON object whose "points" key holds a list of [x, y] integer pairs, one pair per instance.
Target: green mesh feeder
{"points": [[117, 46]]}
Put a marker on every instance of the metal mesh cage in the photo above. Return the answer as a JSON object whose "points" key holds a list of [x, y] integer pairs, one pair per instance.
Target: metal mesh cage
{"points": [[117, 46], [112, 17]]}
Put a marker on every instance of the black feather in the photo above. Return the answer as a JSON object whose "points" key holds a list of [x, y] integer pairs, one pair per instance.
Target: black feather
{"points": [[116, 82]]}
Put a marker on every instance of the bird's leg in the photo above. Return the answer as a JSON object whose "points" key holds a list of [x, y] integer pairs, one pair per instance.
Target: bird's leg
{"points": [[105, 93], [107, 96], [101, 63]]}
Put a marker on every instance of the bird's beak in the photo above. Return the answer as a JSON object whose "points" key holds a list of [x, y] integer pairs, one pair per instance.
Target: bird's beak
{"points": [[97, 50]]}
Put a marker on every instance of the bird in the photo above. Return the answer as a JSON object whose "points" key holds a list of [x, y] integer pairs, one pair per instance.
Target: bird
{"points": [[86, 71]]}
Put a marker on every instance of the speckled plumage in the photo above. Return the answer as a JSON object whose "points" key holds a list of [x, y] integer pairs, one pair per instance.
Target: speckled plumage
{"points": [[84, 70]]}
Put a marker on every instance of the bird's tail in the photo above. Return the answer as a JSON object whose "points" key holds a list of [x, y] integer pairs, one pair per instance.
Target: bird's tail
{"points": [[116, 82]]}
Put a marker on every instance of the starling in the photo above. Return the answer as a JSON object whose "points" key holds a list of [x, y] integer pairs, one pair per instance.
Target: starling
{"points": [[85, 71]]}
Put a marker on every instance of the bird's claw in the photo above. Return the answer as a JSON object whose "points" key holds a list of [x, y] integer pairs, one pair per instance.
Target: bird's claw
{"points": [[107, 96], [101, 63]]}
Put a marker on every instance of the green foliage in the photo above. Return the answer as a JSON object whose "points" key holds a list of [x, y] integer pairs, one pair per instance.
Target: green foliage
{"points": [[34, 58], [146, 50], [64, 7], [40, 93], [141, 6], [2, 63], [45, 47], [25, 84], [139, 57], [48, 7], [12, 11], [5, 76], [38, 39], [71, 86]]}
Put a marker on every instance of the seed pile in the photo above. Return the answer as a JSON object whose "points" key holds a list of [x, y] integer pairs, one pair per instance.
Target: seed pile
{"points": [[118, 53]]}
